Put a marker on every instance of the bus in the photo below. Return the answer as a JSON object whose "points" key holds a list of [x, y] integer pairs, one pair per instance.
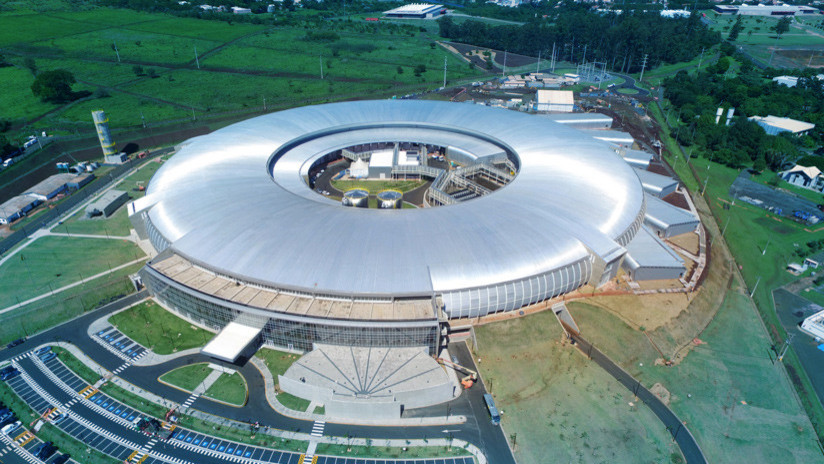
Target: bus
{"points": [[493, 411]]}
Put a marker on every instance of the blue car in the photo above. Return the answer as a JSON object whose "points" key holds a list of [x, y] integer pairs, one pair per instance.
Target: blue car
{"points": [[42, 351], [48, 356], [9, 375]]}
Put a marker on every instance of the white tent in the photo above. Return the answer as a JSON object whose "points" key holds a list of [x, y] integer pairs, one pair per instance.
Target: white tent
{"points": [[359, 169]]}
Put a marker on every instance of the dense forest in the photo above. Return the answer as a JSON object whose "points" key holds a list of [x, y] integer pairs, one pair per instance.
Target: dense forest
{"points": [[696, 98], [582, 34]]}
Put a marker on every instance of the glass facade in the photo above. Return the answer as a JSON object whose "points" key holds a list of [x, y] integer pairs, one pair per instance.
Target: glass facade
{"points": [[509, 296], [292, 331]]}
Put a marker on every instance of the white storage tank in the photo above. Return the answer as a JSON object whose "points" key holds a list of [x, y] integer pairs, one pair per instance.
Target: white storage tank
{"points": [[358, 198], [390, 199]]}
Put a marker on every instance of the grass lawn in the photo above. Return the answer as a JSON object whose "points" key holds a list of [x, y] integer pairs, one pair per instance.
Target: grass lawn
{"points": [[563, 407], [229, 389], [627, 91], [293, 402], [276, 361], [187, 377], [63, 306], [16, 99], [53, 262], [738, 404], [376, 186], [76, 366], [375, 451], [118, 223], [159, 330]]}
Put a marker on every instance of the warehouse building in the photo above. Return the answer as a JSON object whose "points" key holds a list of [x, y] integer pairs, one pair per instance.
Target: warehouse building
{"points": [[558, 101], [668, 220], [51, 186], [636, 158], [17, 207], [766, 10], [656, 184], [107, 204], [648, 258], [774, 125], [416, 11], [593, 121]]}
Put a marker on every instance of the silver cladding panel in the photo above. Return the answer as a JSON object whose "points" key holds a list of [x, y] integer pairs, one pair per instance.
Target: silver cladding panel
{"points": [[217, 203]]}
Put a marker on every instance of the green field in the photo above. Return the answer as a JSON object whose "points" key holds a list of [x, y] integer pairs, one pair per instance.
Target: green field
{"points": [[749, 231], [229, 389], [240, 64], [375, 186], [563, 407], [52, 262], [159, 330], [187, 377], [60, 307]]}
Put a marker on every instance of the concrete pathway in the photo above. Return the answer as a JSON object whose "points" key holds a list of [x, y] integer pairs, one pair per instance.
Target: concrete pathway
{"points": [[70, 286]]}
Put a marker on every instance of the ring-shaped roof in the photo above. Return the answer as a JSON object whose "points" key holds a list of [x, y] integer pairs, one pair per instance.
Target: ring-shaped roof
{"points": [[221, 203]]}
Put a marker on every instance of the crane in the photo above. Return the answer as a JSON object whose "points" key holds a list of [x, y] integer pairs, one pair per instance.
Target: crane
{"points": [[471, 376]]}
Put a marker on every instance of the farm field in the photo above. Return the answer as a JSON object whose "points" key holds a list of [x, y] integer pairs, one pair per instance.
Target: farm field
{"points": [[157, 68]]}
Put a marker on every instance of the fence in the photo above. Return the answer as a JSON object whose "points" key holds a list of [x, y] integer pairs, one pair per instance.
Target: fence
{"points": [[73, 200]]}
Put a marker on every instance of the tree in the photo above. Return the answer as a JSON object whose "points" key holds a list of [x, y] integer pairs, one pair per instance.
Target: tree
{"points": [[735, 30], [782, 26], [400, 70], [420, 69], [54, 86], [138, 70]]}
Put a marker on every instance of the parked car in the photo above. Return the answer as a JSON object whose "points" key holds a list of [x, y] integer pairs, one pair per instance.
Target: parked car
{"points": [[10, 375], [7, 421], [6, 369], [16, 342], [42, 350], [10, 428], [59, 418], [47, 450], [62, 459], [48, 356]]}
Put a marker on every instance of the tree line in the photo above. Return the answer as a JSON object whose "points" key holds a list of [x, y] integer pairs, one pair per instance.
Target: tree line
{"points": [[579, 33], [696, 98]]}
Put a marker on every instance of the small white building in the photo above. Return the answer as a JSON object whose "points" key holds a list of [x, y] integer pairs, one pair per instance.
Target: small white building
{"points": [[814, 325], [381, 163], [804, 176], [774, 125], [240, 10], [559, 101]]}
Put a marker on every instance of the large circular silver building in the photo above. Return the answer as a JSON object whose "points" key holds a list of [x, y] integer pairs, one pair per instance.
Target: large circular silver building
{"points": [[241, 234]]}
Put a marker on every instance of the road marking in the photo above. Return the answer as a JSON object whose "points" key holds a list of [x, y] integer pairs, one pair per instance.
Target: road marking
{"points": [[317, 428]]}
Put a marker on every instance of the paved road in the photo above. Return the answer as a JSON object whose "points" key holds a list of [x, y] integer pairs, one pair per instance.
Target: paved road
{"points": [[689, 447], [476, 431]]}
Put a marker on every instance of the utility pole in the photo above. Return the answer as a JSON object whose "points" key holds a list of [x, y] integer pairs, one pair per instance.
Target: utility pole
{"points": [[444, 72], [143, 118], [196, 58], [785, 347], [538, 66], [585, 55], [321, 67], [701, 59], [553, 57], [643, 67], [116, 51], [264, 103], [193, 115]]}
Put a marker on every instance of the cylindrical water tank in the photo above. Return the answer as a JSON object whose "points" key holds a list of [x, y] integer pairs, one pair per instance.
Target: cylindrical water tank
{"points": [[101, 123], [358, 198], [390, 199]]}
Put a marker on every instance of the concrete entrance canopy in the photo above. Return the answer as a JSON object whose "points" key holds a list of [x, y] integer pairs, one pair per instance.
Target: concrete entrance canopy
{"points": [[231, 342]]}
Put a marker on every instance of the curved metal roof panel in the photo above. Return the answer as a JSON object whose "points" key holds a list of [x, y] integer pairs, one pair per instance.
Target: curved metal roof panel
{"points": [[218, 204]]}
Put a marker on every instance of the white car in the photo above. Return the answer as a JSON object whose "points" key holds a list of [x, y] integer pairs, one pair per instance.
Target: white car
{"points": [[10, 428]]}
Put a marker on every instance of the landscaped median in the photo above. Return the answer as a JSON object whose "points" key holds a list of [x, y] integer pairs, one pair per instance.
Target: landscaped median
{"points": [[278, 362], [159, 330], [228, 387]]}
